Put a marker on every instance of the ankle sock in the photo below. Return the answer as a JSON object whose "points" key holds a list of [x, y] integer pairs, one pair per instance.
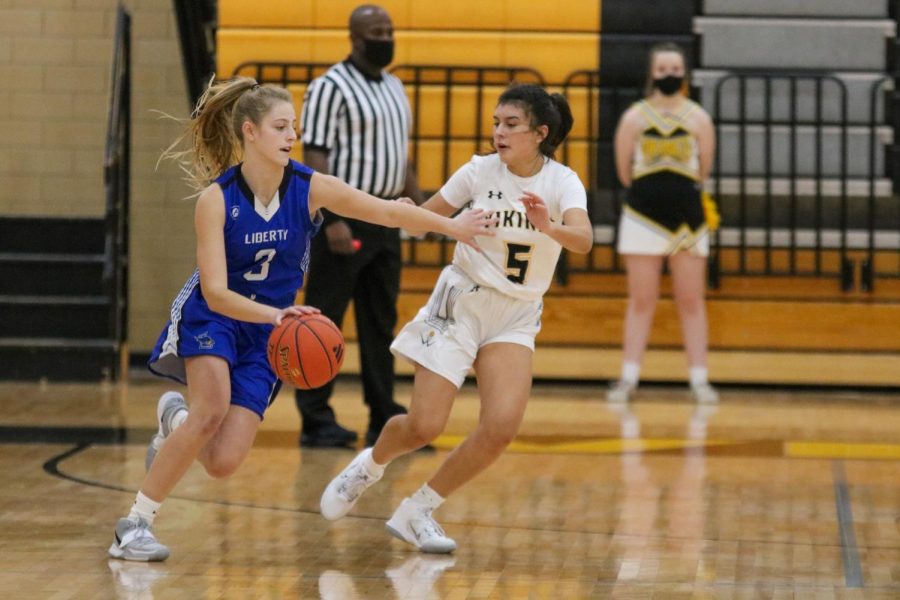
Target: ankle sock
{"points": [[631, 372], [373, 467], [144, 508], [425, 496], [698, 375]]}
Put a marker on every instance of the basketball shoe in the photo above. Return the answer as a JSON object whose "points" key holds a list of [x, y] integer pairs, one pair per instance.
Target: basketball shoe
{"points": [[620, 391], [345, 489], [169, 404], [704, 393], [413, 523], [135, 541]]}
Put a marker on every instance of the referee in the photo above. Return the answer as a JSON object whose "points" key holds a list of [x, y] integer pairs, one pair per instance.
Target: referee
{"points": [[356, 122]]}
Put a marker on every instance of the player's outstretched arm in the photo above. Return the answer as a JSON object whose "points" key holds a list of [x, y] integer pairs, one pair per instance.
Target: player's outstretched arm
{"points": [[338, 197]]}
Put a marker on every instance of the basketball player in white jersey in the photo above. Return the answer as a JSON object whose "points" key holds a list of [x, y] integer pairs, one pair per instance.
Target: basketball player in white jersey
{"points": [[664, 151], [485, 311]]}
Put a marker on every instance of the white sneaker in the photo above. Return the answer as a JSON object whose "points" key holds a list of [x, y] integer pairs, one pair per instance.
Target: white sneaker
{"points": [[413, 523], [135, 541], [704, 393], [169, 404], [620, 391], [345, 489]]}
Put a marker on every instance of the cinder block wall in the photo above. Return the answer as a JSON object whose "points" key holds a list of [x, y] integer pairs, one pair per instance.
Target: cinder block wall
{"points": [[55, 59]]}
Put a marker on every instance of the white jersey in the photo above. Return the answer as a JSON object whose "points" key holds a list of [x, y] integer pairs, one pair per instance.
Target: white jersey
{"points": [[519, 260]]}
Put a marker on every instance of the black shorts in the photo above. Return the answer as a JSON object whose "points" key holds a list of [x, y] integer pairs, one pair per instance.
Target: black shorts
{"points": [[668, 199]]}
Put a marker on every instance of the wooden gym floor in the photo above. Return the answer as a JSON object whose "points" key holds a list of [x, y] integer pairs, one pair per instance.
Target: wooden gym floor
{"points": [[773, 494]]}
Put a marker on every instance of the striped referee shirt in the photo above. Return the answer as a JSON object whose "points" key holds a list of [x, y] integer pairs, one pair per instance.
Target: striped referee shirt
{"points": [[363, 124]]}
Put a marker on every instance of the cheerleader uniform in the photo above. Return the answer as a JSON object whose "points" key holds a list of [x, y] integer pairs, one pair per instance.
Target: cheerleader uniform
{"points": [[664, 212]]}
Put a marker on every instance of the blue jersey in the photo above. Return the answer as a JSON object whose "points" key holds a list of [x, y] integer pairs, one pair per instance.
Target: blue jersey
{"points": [[267, 248], [266, 255]]}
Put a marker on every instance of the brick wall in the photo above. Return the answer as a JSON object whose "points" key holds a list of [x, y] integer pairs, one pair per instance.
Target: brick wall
{"points": [[55, 59]]}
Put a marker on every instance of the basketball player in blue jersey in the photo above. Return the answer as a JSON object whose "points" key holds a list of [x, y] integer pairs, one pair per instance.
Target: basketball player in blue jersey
{"points": [[664, 148], [254, 223], [485, 311]]}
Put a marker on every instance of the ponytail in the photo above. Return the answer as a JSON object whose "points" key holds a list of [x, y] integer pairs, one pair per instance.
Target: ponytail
{"points": [[215, 127]]}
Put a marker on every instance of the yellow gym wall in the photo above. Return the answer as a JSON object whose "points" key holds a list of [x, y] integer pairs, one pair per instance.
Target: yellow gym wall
{"points": [[532, 34]]}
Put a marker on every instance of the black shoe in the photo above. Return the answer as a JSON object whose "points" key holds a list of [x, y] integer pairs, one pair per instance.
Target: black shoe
{"points": [[328, 436]]}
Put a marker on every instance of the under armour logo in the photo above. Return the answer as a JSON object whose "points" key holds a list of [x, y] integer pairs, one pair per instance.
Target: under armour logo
{"points": [[491, 195]]}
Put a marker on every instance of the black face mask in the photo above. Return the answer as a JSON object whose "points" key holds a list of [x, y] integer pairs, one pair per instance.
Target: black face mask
{"points": [[379, 53], [669, 85]]}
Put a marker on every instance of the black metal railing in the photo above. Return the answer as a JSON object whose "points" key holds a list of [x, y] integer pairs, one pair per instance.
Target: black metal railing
{"points": [[800, 175], [117, 180], [869, 266], [798, 171], [589, 150], [746, 155]]}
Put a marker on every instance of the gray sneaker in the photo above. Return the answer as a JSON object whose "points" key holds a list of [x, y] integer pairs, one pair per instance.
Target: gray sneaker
{"points": [[414, 524], [169, 404], [135, 541]]}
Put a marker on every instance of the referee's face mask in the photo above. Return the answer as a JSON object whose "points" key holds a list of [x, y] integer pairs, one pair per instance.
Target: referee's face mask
{"points": [[379, 53]]}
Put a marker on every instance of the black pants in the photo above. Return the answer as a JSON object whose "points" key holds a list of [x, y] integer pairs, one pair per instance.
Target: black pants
{"points": [[371, 278]]}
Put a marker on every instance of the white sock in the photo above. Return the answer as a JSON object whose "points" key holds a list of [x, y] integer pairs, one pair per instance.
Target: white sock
{"points": [[374, 469], [425, 496], [177, 419], [698, 375], [144, 508], [631, 372]]}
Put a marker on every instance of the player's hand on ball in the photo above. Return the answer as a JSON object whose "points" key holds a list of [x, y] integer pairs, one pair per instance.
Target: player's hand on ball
{"points": [[295, 310]]}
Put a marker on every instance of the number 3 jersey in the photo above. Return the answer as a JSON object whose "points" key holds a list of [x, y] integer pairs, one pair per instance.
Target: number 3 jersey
{"points": [[518, 260], [267, 247], [266, 254]]}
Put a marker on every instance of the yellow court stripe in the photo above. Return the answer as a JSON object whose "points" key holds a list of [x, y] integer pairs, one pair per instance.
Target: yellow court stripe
{"points": [[840, 450], [620, 446], [600, 446]]}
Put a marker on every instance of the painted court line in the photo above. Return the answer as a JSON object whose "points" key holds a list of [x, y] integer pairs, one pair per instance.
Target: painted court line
{"points": [[849, 553]]}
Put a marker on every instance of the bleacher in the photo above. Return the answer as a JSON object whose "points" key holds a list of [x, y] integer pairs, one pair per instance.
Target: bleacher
{"points": [[806, 268]]}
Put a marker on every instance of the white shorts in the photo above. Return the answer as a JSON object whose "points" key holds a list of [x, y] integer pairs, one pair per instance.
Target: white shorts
{"points": [[460, 318], [639, 234]]}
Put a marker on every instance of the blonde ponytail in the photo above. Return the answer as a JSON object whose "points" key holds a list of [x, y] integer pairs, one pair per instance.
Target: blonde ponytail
{"points": [[214, 129]]}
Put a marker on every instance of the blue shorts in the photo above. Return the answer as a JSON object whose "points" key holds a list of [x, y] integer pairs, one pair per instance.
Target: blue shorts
{"points": [[195, 330]]}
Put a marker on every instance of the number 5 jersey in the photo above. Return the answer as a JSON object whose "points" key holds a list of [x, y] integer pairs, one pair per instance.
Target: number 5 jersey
{"points": [[518, 260]]}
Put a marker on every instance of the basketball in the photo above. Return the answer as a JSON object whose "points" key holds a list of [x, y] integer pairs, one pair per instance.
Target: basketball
{"points": [[306, 351]]}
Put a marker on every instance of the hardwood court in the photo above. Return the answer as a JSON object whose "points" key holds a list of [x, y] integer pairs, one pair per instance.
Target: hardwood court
{"points": [[772, 494]]}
